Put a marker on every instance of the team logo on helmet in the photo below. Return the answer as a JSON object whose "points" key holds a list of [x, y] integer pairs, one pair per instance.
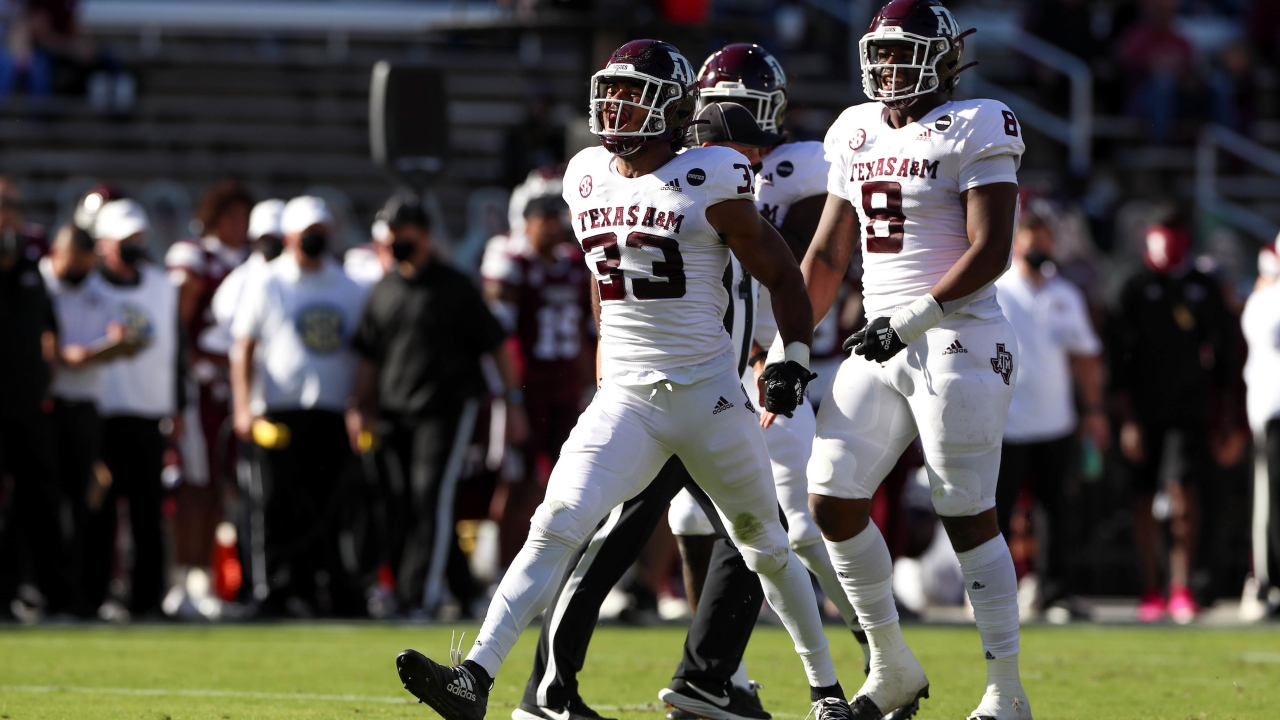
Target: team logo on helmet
{"points": [[645, 94], [930, 63], [748, 75], [947, 24]]}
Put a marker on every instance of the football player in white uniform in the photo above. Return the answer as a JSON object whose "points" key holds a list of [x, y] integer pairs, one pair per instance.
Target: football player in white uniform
{"points": [[930, 186], [658, 228]]}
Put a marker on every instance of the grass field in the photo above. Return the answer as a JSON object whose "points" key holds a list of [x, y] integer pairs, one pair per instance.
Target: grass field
{"points": [[347, 671]]}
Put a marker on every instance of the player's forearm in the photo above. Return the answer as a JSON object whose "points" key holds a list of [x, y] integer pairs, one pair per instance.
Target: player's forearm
{"points": [[827, 260], [980, 266], [1087, 372], [364, 395], [792, 309], [241, 373], [511, 380], [989, 218]]}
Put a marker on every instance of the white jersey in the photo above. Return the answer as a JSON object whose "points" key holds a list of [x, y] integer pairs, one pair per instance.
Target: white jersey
{"points": [[145, 385], [788, 174], [1261, 325], [906, 183], [658, 263]]}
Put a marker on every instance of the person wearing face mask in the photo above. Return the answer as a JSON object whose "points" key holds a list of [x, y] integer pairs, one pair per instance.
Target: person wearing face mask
{"points": [[89, 334], [1172, 342], [291, 370], [142, 402], [1058, 345], [29, 515], [418, 388]]}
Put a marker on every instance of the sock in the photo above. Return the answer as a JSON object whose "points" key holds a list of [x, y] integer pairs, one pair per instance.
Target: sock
{"points": [[526, 590], [817, 561], [865, 645], [740, 676], [790, 594], [992, 585], [818, 693], [866, 573]]}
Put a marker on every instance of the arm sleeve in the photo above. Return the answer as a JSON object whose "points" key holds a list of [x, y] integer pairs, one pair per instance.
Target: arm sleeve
{"points": [[733, 179], [988, 170]]}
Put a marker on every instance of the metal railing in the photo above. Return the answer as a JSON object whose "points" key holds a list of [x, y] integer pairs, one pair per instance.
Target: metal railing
{"points": [[1210, 195], [1076, 130]]}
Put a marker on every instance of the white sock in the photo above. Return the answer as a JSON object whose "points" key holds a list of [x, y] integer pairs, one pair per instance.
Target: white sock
{"points": [[790, 594], [526, 589], [740, 676], [865, 571], [817, 561], [992, 584]]}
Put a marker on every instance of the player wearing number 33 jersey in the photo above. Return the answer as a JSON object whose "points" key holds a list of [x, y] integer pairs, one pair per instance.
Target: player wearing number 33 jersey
{"points": [[926, 187], [657, 229]]}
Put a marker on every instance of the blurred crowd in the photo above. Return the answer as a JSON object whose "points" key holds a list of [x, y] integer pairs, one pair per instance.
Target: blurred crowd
{"points": [[261, 425], [45, 53]]}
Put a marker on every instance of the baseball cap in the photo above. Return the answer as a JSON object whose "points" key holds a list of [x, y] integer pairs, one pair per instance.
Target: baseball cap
{"points": [[730, 122], [304, 211], [404, 209], [265, 218], [120, 219]]}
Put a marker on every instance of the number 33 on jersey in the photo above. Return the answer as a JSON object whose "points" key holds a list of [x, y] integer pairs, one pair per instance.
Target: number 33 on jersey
{"points": [[905, 184], [658, 263]]}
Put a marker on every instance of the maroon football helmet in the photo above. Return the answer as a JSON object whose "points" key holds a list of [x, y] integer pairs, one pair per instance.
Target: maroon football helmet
{"points": [[748, 75], [937, 44], [669, 94]]}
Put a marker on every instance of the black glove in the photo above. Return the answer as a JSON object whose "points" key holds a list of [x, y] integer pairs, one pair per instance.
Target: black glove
{"points": [[877, 341], [784, 384]]}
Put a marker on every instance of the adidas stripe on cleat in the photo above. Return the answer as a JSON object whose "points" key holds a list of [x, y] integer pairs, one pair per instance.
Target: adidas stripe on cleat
{"points": [[452, 691]]}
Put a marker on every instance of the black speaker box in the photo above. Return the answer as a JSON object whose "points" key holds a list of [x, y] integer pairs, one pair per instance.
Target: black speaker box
{"points": [[408, 121]]}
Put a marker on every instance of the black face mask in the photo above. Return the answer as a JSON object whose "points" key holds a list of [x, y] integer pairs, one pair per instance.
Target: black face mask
{"points": [[271, 247], [402, 250], [314, 244], [74, 279], [1036, 258], [132, 254]]}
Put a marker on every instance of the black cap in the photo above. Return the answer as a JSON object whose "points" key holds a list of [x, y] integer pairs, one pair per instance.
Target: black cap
{"points": [[404, 209], [730, 122]]}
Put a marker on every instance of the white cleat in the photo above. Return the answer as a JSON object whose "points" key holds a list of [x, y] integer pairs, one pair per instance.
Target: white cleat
{"points": [[996, 706], [893, 683]]}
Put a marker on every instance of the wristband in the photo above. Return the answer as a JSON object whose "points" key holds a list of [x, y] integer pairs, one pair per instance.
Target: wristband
{"points": [[514, 396], [913, 321], [793, 352]]}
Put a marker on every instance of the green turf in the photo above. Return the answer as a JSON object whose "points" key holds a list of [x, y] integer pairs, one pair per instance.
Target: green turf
{"points": [[344, 671]]}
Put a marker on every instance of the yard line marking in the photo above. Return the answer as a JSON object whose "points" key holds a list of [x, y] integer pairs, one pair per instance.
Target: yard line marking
{"points": [[200, 693], [1262, 657], [244, 694]]}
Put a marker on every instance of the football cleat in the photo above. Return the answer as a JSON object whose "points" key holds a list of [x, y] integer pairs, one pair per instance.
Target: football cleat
{"points": [[895, 684], [451, 690], [714, 701], [830, 708], [575, 709], [678, 714], [1002, 707]]}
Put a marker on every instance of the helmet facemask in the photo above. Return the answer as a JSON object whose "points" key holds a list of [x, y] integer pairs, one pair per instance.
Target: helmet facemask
{"points": [[657, 99], [768, 108], [933, 66]]}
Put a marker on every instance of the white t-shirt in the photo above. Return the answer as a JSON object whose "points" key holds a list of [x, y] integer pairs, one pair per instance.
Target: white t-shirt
{"points": [[905, 184], [226, 299], [788, 174], [362, 264], [1051, 323], [145, 385], [1261, 325], [658, 263], [303, 323], [83, 313]]}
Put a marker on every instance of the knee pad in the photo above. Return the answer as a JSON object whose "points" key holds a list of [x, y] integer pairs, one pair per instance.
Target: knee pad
{"points": [[763, 546], [556, 519]]}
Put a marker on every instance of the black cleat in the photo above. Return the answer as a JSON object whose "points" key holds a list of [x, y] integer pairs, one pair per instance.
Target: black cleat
{"points": [[714, 701], [831, 708], [575, 709], [678, 714], [451, 691], [864, 709]]}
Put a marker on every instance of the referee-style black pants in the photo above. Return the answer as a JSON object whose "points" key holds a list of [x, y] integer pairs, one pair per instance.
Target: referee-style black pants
{"points": [[30, 526], [1271, 546], [133, 450], [421, 463], [78, 437], [303, 490], [727, 610], [1042, 468]]}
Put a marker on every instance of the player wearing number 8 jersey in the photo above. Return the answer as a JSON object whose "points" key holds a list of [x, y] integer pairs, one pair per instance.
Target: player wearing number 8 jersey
{"points": [[657, 229], [929, 185]]}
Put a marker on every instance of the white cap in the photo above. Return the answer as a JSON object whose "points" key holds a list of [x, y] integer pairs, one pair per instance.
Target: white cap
{"points": [[304, 211], [265, 218], [380, 232], [120, 219]]}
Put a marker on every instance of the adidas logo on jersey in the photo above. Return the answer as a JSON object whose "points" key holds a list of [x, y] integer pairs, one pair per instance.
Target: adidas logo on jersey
{"points": [[721, 406], [461, 686], [955, 348], [925, 136], [978, 586], [673, 185]]}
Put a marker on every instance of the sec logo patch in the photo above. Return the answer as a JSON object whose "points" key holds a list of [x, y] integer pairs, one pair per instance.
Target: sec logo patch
{"points": [[785, 168], [320, 327], [584, 187], [696, 177], [858, 140]]}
